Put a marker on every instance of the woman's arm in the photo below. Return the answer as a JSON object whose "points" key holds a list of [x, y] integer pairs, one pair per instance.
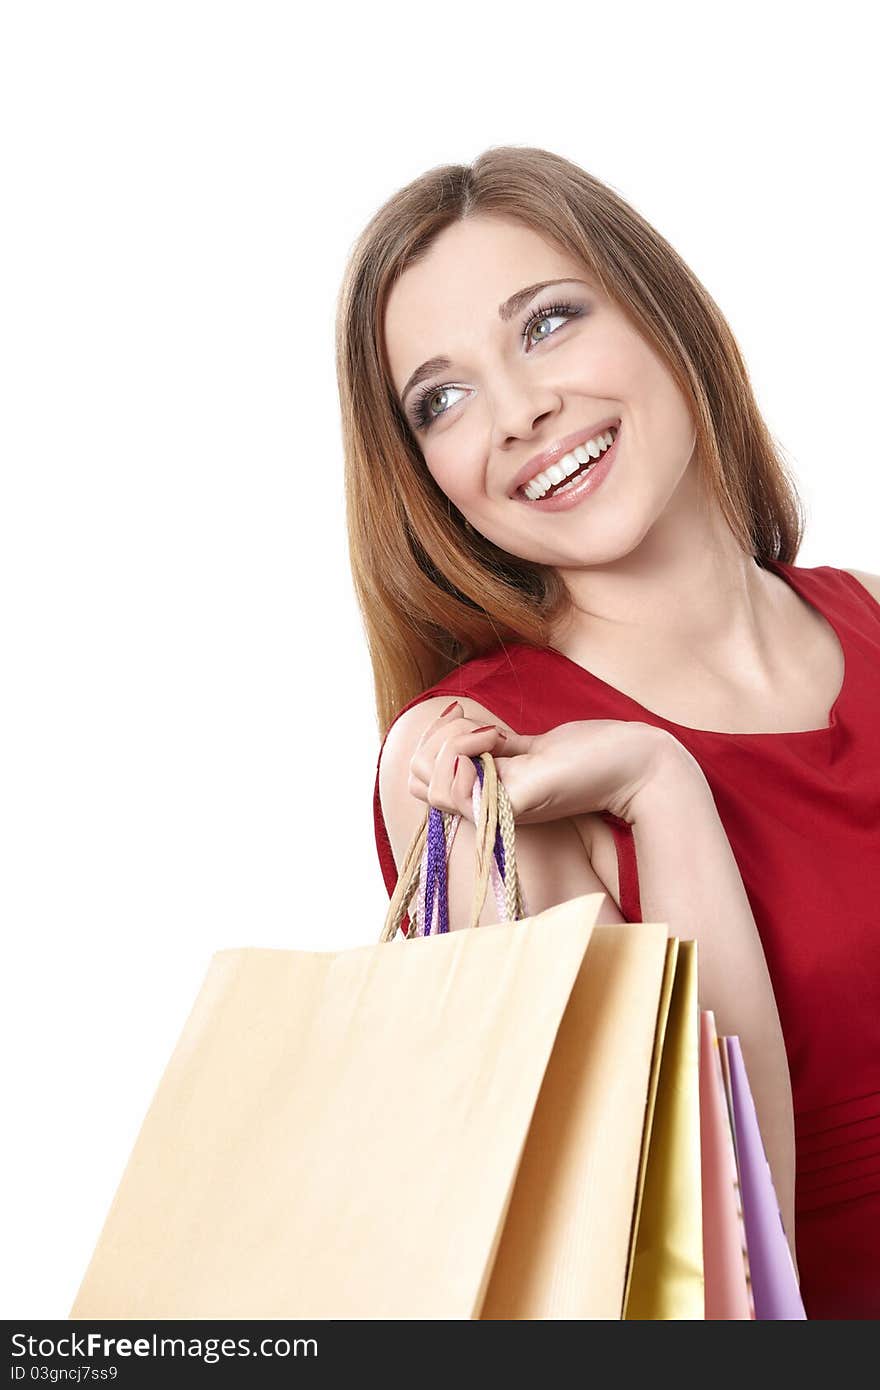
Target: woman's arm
{"points": [[689, 878]]}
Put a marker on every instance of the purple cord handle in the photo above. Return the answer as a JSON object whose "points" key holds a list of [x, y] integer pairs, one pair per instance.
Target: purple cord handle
{"points": [[437, 878]]}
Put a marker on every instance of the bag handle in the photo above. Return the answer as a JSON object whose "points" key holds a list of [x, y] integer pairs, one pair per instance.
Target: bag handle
{"points": [[495, 833], [433, 880]]}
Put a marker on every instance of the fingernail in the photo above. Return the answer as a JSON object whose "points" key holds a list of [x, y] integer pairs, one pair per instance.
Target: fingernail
{"points": [[449, 707], [484, 728]]}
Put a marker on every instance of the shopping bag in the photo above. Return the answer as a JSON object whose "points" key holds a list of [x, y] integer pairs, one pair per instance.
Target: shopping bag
{"points": [[667, 1279], [650, 1107], [725, 1252], [448, 1126], [774, 1279]]}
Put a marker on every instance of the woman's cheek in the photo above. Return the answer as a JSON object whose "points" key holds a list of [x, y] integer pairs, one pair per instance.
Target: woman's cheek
{"points": [[454, 477]]}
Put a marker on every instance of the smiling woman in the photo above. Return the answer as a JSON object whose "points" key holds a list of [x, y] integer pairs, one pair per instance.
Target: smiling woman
{"points": [[566, 511], [568, 362]]}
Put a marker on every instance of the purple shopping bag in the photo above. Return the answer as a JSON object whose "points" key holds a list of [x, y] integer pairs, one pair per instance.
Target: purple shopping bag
{"points": [[774, 1281]]}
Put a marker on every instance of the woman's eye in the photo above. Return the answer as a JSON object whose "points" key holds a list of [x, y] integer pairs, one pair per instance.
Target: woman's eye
{"points": [[544, 314], [536, 323], [425, 416]]}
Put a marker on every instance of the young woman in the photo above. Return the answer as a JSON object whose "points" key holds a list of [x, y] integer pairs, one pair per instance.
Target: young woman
{"points": [[573, 542]]}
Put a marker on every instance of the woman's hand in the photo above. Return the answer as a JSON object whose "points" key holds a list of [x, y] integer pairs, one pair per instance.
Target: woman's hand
{"points": [[586, 765]]}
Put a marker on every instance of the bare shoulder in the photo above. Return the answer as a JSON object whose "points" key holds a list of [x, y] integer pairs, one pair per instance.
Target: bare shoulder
{"points": [[402, 811], [870, 581], [553, 857]]}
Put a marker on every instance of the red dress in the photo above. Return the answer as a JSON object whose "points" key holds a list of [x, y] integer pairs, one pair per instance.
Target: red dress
{"points": [[802, 814]]}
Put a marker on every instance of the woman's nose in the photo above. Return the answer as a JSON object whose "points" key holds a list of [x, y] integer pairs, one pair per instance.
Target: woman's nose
{"points": [[520, 409]]}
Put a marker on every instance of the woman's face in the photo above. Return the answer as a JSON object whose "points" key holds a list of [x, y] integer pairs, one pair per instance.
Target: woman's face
{"points": [[521, 380]]}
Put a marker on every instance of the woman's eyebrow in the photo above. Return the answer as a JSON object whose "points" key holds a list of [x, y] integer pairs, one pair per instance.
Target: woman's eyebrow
{"points": [[506, 311], [521, 298]]}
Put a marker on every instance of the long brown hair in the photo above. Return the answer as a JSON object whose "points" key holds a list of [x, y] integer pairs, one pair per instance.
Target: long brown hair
{"points": [[433, 593]]}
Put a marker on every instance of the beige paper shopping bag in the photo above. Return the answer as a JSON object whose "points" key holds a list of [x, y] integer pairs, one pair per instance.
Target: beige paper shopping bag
{"points": [[564, 1249], [650, 1108], [444, 1127], [667, 1277]]}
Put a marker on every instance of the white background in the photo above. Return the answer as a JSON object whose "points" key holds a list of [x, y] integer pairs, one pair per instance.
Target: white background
{"points": [[188, 734]]}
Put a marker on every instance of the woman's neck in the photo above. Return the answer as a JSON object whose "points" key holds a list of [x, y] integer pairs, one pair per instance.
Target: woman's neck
{"points": [[688, 581]]}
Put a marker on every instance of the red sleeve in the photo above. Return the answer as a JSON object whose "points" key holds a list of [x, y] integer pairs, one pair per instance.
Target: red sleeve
{"points": [[627, 868], [383, 845]]}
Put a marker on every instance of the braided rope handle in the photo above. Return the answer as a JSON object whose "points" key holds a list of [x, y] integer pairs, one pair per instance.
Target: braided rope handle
{"points": [[424, 867], [433, 881], [440, 916]]}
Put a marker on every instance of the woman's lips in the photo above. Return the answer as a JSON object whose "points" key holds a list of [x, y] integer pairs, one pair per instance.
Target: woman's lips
{"points": [[581, 488]]}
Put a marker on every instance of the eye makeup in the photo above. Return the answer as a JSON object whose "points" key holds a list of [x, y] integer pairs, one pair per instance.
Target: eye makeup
{"points": [[421, 416]]}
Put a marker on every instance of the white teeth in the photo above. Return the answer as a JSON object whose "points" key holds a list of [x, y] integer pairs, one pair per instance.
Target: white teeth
{"points": [[568, 486], [569, 464]]}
